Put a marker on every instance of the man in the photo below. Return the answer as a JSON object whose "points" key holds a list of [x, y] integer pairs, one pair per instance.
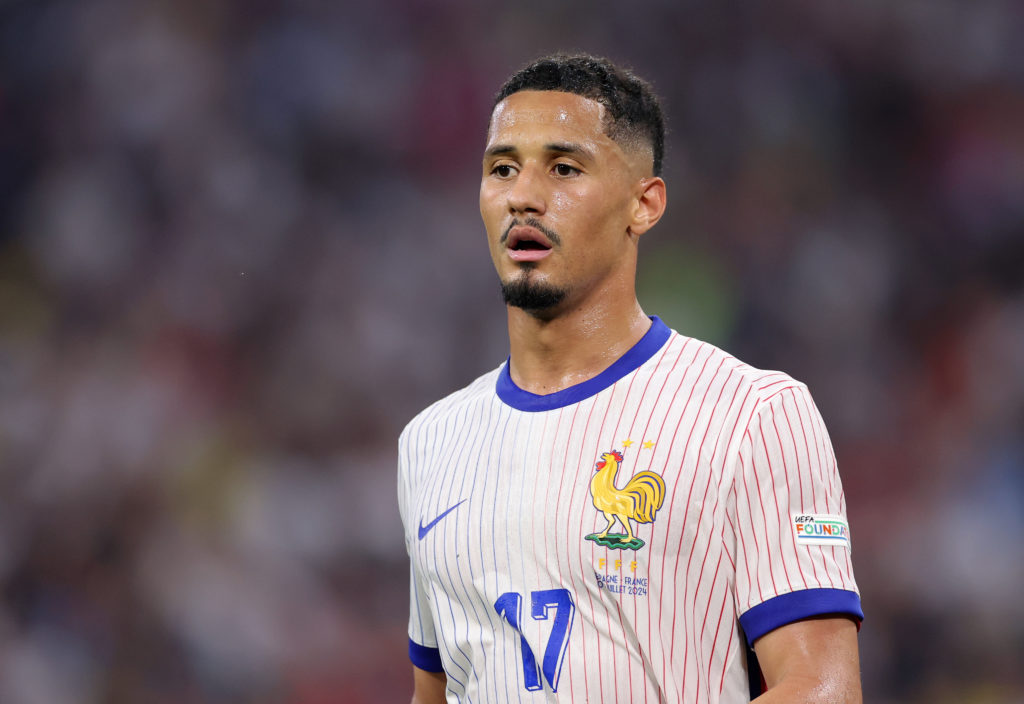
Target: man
{"points": [[619, 513]]}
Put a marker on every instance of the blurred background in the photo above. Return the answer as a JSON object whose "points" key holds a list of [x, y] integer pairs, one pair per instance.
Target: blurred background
{"points": [[240, 249]]}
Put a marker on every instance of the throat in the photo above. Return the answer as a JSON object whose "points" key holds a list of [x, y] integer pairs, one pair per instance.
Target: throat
{"points": [[550, 355]]}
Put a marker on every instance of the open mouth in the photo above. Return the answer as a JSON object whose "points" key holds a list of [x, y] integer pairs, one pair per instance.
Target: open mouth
{"points": [[526, 238], [527, 244]]}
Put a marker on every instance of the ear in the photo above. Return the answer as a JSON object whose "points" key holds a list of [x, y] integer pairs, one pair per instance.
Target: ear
{"points": [[649, 205]]}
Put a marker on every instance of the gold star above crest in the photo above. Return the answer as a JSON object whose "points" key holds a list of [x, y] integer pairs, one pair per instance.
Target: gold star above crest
{"points": [[627, 442], [648, 445]]}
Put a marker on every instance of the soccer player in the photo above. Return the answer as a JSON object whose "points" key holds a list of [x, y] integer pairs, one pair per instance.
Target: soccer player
{"points": [[619, 512]]}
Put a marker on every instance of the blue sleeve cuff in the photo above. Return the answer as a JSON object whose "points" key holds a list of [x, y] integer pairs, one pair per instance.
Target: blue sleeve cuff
{"points": [[795, 606], [425, 658]]}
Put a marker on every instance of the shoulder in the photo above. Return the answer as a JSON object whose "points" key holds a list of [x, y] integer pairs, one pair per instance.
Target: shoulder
{"points": [[763, 384], [720, 377], [452, 405]]}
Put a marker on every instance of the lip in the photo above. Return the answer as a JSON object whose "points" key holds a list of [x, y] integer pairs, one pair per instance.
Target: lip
{"points": [[528, 255], [525, 233]]}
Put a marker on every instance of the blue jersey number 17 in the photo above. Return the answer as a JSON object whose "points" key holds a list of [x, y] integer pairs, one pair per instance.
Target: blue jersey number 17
{"points": [[510, 607]]}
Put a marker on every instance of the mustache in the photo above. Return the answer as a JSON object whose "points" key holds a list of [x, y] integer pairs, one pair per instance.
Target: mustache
{"points": [[535, 224]]}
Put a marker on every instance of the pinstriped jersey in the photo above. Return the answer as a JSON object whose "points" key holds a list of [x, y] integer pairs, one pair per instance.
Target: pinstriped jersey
{"points": [[622, 540]]}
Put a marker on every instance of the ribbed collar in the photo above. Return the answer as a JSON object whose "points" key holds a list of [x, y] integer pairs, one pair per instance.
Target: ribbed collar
{"points": [[639, 353]]}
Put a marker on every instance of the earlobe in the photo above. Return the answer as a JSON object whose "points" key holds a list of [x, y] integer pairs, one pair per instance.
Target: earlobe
{"points": [[649, 205]]}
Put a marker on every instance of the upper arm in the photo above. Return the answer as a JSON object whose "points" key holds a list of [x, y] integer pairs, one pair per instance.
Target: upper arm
{"points": [[786, 469], [786, 480], [423, 651], [428, 687], [814, 660]]}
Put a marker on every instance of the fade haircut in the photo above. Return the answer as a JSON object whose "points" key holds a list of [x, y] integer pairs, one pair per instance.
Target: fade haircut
{"points": [[632, 112]]}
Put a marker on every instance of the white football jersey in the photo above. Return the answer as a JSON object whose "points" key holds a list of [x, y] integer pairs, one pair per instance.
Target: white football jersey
{"points": [[622, 540]]}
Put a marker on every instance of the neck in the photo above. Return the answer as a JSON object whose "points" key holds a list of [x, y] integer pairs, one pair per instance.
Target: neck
{"points": [[548, 355]]}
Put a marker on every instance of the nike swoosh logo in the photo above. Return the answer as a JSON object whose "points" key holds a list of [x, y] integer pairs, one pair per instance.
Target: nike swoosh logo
{"points": [[424, 529]]}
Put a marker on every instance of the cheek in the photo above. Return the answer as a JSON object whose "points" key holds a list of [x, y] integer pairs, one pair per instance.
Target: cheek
{"points": [[578, 201], [491, 214], [590, 204], [574, 215], [564, 201], [491, 197], [589, 218]]}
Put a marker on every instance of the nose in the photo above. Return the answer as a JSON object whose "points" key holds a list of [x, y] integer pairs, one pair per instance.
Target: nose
{"points": [[526, 195]]}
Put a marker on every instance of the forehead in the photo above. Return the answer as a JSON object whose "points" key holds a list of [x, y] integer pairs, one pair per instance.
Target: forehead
{"points": [[531, 113]]}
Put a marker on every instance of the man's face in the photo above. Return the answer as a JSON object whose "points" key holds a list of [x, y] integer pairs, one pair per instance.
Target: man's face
{"points": [[557, 198]]}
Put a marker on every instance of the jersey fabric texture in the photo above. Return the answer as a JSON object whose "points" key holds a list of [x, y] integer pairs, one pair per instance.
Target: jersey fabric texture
{"points": [[622, 540]]}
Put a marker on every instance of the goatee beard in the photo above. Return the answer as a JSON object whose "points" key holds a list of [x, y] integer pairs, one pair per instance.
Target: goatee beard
{"points": [[533, 297]]}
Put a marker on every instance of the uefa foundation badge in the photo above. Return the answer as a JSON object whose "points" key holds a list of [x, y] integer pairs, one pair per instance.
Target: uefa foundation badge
{"points": [[821, 529]]}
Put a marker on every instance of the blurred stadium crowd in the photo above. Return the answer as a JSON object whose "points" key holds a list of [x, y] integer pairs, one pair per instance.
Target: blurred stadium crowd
{"points": [[239, 249]]}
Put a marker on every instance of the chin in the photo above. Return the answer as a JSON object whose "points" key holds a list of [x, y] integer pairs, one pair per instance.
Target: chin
{"points": [[533, 296]]}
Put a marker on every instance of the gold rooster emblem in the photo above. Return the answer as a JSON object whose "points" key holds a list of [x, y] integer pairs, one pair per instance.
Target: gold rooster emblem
{"points": [[639, 501]]}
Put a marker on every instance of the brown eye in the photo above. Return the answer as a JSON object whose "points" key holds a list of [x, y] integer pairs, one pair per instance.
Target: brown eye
{"points": [[502, 171], [565, 170]]}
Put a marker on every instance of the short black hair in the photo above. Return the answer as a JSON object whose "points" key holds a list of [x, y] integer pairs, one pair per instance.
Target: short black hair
{"points": [[632, 110]]}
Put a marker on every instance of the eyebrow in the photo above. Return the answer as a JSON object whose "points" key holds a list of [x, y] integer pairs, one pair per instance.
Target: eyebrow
{"points": [[570, 148], [499, 149]]}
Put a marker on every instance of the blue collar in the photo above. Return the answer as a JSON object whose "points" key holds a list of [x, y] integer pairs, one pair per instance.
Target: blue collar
{"points": [[639, 353]]}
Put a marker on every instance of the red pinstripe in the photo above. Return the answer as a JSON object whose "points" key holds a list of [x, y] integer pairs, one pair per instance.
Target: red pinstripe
{"points": [[784, 515], [693, 481], [757, 545], [696, 589], [583, 513], [823, 443], [807, 447], [657, 400], [618, 425], [618, 608], [728, 651], [764, 514], [775, 495], [828, 508], [700, 516], [718, 628], [657, 444], [796, 450], [725, 545], [693, 387], [703, 623]]}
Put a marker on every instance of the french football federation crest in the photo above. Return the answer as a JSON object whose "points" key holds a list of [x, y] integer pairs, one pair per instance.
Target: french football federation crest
{"points": [[638, 501]]}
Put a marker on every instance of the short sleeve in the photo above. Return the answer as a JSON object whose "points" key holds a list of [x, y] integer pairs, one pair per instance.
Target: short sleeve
{"points": [[787, 514], [423, 650]]}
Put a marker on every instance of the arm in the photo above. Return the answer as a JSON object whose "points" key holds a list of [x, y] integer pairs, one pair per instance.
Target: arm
{"points": [[813, 661], [804, 634], [428, 687]]}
